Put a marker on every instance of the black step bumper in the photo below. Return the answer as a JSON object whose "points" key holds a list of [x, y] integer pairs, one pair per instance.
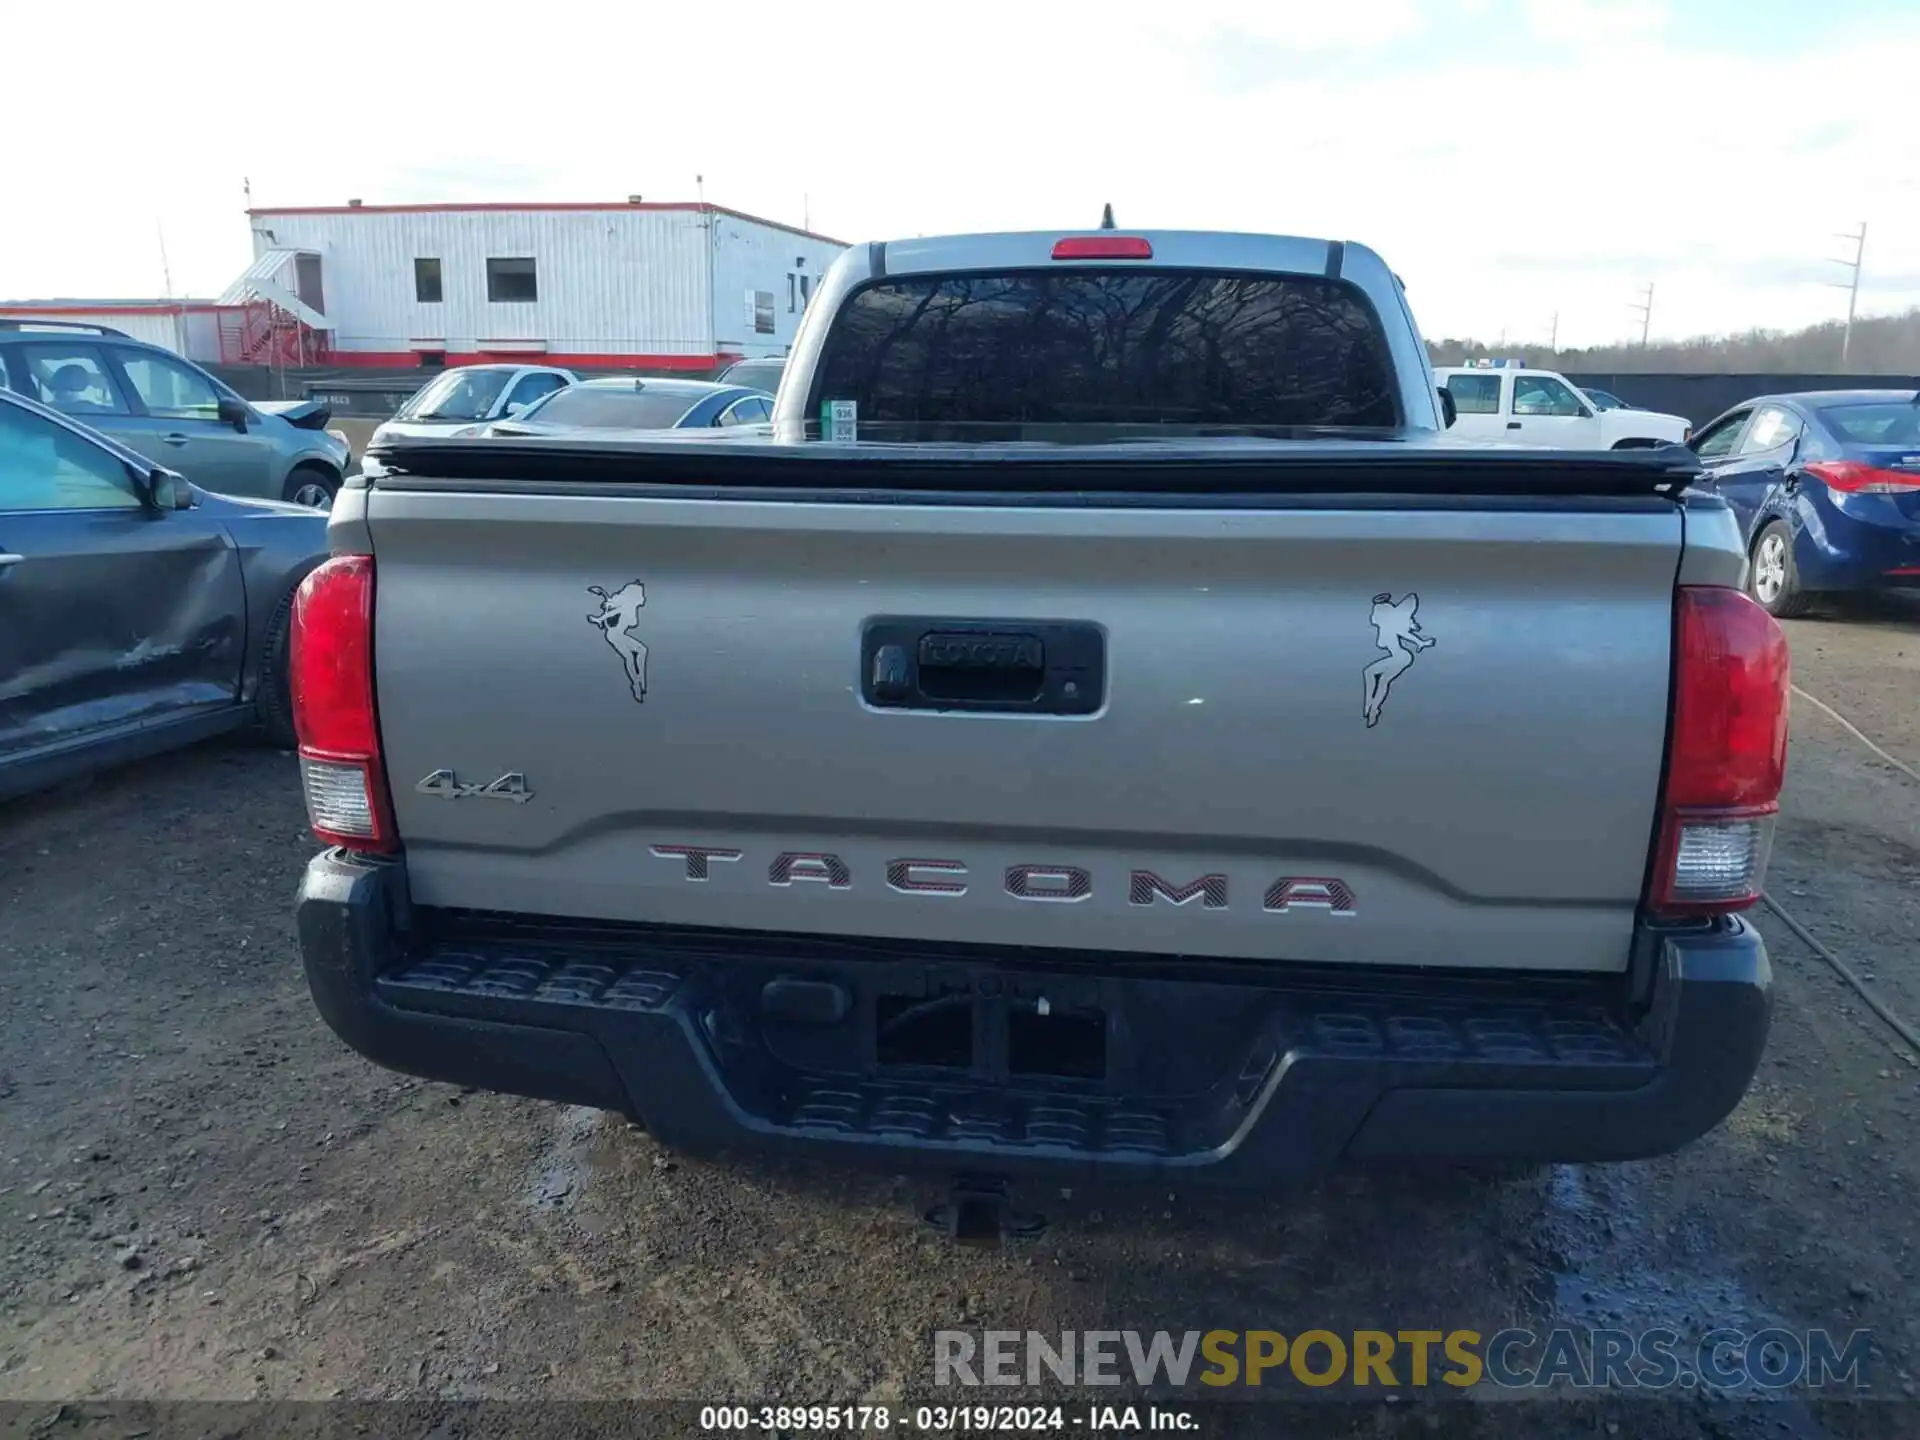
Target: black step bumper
{"points": [[1227, 1074]]}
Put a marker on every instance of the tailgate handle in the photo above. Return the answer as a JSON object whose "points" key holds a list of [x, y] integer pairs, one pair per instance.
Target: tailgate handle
{"points": [[1035, 667]]}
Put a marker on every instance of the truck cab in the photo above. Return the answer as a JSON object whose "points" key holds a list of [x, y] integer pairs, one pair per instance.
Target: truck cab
{"points": [[1508, 401]]}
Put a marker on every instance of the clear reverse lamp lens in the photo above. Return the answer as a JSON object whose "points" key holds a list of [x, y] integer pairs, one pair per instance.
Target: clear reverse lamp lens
{"points": [[337, 799], [1721, 860]]}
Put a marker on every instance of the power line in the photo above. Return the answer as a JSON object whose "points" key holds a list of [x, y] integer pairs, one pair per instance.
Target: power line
{"points": [[1851, 286], [1645, 308]]}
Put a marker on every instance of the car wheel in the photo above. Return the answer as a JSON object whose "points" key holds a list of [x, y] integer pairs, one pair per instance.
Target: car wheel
{"points": [[274, 697], [1771, 578], [311, 486]]}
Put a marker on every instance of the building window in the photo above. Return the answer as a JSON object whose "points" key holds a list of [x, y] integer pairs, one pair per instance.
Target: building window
{"points": [[763, 312], [426, 281], [806, 290], [793, 292], [511, 281]]}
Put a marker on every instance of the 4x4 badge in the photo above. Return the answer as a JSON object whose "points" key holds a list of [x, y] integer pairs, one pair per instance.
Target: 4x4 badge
{"points": [[617, 618], [1396, 627], [445, 784]]}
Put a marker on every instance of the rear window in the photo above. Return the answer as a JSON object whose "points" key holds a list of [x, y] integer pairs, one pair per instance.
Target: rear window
{"points": [[589, 408], [1894, 423], [976, 356], [1475, 394]]}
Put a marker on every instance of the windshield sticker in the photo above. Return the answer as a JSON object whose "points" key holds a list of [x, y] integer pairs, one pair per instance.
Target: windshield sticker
{"points": [[840, 421], [616, 620], [1397, 631]]}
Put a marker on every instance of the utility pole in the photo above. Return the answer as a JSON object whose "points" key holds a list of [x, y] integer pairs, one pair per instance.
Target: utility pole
{"points": [[1553, 335], [1851, 286], [1645, 306], [166, 273]]}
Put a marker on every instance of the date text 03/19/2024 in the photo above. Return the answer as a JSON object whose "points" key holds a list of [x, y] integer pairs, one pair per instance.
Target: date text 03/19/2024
{"points": [[943, 1419]]}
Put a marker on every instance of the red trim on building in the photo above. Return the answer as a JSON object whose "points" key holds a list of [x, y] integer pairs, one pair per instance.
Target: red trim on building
{"points": [[556, 207], [409, 359]]}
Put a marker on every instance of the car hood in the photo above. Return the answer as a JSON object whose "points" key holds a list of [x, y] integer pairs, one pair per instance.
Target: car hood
{"points": [[1646, 422], [529, 428], [418, 429]]}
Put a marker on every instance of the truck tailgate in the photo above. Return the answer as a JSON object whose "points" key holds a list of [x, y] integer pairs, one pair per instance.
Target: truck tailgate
{"points": [[1226, 798]]}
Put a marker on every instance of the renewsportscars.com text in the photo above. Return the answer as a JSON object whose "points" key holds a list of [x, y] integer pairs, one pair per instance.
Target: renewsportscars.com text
{"points": [[1655, 1359]]}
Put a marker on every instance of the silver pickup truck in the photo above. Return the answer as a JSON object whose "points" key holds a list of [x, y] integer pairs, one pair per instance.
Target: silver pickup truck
{"points": [[1107, 728]]}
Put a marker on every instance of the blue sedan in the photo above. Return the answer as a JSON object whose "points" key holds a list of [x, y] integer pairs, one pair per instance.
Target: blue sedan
{"points": [[137, 611], [1826, 485], [635, 403]]}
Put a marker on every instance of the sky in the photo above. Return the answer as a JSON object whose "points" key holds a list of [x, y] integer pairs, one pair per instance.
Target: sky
{"points": [[1514, 160]]}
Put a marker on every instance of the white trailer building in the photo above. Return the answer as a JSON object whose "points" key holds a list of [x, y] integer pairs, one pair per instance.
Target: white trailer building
{"points": [[187, 327], [635, 285]]}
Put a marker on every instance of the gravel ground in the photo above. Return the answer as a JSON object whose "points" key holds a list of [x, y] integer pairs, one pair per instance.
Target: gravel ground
{"points": [[204, 1195]]}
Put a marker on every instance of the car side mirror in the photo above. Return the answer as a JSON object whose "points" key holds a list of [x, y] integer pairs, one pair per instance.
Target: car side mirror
{"points": [[161, 489], [514, 407], [234, 412], [1449, 411]]}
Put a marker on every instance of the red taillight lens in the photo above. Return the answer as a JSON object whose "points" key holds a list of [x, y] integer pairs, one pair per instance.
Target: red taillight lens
{"points": [[1103, 247], [1855, 478], [1729, 755], [332, 672]]}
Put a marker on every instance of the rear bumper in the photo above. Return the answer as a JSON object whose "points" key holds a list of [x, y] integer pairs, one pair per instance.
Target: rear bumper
{"points": [[1864, 544], [1214, 1074]]}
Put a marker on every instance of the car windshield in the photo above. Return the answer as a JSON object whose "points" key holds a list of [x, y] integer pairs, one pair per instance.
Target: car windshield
{"points": [[456, 395], [1602, 400], [608, 407], [755, 374], [1027, 355], [1894, 422]]}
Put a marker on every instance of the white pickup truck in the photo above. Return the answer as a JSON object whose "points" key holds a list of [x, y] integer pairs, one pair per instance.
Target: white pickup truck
{"points": [[1541, 407]]}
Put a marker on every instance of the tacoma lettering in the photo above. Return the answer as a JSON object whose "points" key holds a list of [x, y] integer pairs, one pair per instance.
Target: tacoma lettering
{"points": [[1045, 884]]}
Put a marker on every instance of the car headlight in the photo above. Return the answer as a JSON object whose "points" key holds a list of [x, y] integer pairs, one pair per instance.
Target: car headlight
{"points": [[467, 432]]}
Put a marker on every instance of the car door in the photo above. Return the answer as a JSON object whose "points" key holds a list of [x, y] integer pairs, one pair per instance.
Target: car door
{"points": [[529, 388], [112, 614], [1715, 446], [1545, 411], [1476, 403], [176, 423], [1754, 471]]}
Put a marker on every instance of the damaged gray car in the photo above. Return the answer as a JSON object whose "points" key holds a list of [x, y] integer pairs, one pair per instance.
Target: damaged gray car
{"points": [[138, 612]]}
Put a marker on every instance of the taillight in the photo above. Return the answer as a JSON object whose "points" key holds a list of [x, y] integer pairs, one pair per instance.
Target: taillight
{"points": [[1103, 247], [1854, 477], [1729, 755], [332, 671]]}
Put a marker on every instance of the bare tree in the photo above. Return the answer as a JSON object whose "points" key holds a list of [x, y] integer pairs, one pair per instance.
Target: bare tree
{"points": [[1881, 345]]}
